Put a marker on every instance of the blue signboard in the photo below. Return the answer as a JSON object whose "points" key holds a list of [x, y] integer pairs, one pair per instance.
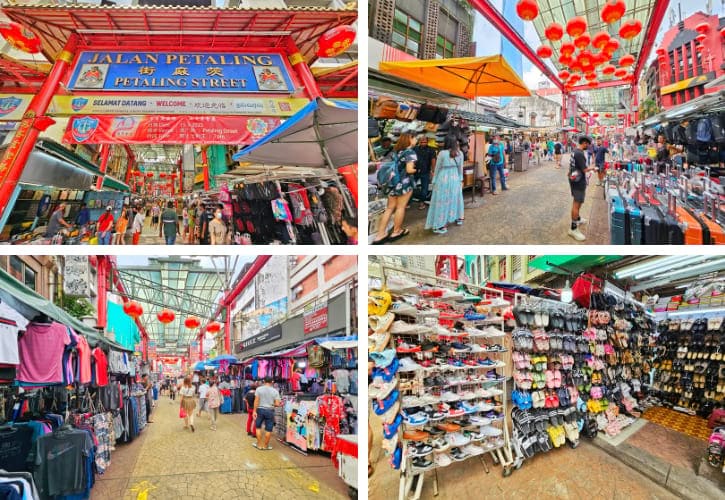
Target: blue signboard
{"points": [[181, 72]]}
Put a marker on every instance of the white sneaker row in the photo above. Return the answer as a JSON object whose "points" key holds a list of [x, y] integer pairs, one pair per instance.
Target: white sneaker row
{"points": [[488, 332]]}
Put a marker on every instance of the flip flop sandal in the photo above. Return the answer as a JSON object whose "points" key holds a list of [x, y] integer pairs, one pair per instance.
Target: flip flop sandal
{"points": [[405, 232]]}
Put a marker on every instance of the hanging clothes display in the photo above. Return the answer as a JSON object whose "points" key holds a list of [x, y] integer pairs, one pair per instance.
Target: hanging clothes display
{"points": [[41, 353], [61, 458], [100, 367]]}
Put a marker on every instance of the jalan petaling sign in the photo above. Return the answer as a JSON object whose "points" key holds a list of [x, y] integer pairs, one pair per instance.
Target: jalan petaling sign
{"points": [[181, 72]]}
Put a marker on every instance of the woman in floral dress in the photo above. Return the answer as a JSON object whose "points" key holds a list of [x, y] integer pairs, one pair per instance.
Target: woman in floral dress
{"points": [[446, 204]]}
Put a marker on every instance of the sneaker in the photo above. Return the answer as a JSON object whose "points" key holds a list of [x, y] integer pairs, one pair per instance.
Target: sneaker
{"points": [[492, 331], [382, 359], [576, 234], [381, 324], [473, 450], [415, 419], [408, 365], [451, 295], [479, 420], [474, 347], [402, 285], [404, 347], [488, 430], [458, 454], [440, 444], [387, 373], [390, 444], [421, 464], [396, 457], [457, 439], [402, 308], [401, 328], [456, 412], [377, 342], [487, 362], [391, 429], [581, 221], [449, 396], [442, 460], [380, 389], [418, 450]]}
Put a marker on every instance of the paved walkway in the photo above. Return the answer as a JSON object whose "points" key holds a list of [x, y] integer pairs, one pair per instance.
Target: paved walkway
{"points": [[167, 461], [535, 210]]}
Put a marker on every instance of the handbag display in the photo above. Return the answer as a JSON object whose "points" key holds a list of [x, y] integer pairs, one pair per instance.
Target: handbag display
{"points": [[385, 108]]}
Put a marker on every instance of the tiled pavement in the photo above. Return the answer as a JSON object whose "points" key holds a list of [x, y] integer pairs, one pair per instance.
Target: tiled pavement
{"points": [[535, 210], [169, 462], [584, 473]]}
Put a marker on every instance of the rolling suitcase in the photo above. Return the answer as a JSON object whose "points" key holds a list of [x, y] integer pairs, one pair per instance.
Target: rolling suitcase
{"points": [[654, 228], [618, 217], [693, 230], [712, 231], [633, 226]]}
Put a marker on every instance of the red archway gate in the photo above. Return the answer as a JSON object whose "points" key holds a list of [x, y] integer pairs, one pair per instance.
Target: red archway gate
{"points": [[120, 54]]}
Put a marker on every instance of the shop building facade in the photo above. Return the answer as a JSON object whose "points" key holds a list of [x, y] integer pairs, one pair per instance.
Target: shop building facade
{"points": [[39, 273]]}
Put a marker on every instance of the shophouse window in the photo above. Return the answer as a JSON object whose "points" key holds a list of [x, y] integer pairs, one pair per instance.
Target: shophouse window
{"points": [[22, 272], [491, 268], [444, 48], [502, 268], [406, 33], [516, 271]]}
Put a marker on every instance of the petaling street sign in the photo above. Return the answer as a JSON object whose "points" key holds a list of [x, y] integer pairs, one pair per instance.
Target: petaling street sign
{"points": [[181, 72]]}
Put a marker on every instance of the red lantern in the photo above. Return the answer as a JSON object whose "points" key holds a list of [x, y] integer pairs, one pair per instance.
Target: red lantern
{"points": [[564, 74], [613, 11], [527, 9], [593, 84], [554, 32], [608, 115], [213, 327], [661, 52], [166, 316], [576, 26], [582, 41], [702, 28], [20, 37], [133, 309], [575, 78], [590, 76], [701, 38], [700, 48], [585, 59], [162, 175], [630, 29], [626, 60], [620, 72], [595, 115], [600, 39], [567, 49], [565, 60], [544, 52], [149, 175], [335, 41], [192, 322], [609, 69], [611, 47]]}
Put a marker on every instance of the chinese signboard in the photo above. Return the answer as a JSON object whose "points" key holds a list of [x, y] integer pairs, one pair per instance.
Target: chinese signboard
{"points": [[63, 105], [165, 129], [181, 72], [314, 317], [76, 275], [12, 107], [274, 333]]}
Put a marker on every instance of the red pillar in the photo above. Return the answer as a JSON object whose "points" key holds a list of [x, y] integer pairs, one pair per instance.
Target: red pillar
{"points": [[101, 304], [228, 330], [144, 348], [201, 347], [105, 154], [13, 161], [303, 70], [205, 167]]}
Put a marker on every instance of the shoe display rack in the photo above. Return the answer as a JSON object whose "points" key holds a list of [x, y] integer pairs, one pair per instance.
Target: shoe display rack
{"points": [[690, 366], [575, 370], [437, 383]]}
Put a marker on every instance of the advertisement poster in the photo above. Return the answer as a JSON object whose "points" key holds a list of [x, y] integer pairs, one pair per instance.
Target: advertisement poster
{"points": [[181, 72], [66, 105], [296, 424], [314, 317], [167, 129]]}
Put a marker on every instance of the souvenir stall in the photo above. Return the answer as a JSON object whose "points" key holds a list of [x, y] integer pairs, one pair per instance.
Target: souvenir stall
{"points": [[438, 379], [62, 386]]}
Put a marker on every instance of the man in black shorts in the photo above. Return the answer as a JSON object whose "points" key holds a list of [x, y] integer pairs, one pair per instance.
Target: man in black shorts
{"points": [[578, 183], [600, 152], [557, 153]]}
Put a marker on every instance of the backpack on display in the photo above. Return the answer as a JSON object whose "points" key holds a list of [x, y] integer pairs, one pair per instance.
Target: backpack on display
{"points": [[718, 131], [680, 135], [691, 133], [704, 130], [670, 133], [389, 174], [373, 128]]}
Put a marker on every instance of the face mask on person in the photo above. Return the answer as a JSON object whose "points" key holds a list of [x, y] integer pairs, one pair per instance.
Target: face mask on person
{"points": [[218, 215]]}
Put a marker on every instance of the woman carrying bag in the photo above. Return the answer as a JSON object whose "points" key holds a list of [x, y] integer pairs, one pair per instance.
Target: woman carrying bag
{"points": [[214, 400], [188, 403], [446, 204]]}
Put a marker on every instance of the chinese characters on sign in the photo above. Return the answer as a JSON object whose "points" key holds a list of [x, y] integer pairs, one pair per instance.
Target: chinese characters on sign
{"points": [[314, 317]]}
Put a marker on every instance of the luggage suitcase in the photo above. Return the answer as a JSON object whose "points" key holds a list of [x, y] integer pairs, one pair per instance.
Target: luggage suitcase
{"points": [[714, 231], [618, 215], [693, 231], [654, 230], [633, 223]]}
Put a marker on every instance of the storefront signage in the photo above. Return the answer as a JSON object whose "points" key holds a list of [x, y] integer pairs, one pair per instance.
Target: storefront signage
{"points": [[181, 72], [151, 350], [76, 276], [267, 336], [314, 317], [13, 106], [16, 144], [64, 105], [166, 129]]}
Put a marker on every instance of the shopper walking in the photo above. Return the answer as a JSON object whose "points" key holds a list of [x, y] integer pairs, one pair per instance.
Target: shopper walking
{"points": [[496, 165], [203, 390], [446, 204], [121, 225], [424, 166], [600, 153], [249, 407], [578, 183], [398, 195], [217, 229], [557, 153], [188, 404], [155, 212], [172, 391], [265, 400], [213, 401], [169, 224], [104, 226], [137, 226], [148, 390]]}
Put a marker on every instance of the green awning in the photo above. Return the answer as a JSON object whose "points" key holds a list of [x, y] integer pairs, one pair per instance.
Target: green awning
{"points": [[110, 182], [571, 264], [29, 304]]}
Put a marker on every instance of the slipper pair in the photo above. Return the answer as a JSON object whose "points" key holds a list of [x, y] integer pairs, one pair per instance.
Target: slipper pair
{"points": [[391, 238]]}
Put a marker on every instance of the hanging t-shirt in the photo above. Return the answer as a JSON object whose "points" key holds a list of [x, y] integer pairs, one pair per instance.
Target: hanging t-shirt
{"points": [[8, 312], [15, 445], [84, 361], [9, 342], [41, 353], [342, 381], [61, 458], [101, 367]]}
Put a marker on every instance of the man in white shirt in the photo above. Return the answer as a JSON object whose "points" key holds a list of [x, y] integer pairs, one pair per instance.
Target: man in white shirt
{"points": [[203, 389]]}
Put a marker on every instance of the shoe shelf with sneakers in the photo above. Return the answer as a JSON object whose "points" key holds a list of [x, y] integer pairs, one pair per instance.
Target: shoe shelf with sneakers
{"points": [[576, 371], [442, 398]]}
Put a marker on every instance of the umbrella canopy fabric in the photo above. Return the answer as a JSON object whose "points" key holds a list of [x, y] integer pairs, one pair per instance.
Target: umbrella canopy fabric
{"points": [[323, 132], [224, 357], [566, 264], [464, 76]]}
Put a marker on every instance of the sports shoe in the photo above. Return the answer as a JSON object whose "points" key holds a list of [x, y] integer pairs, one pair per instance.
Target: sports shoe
{"points": [[402, 285], [458, 439], [479, 420], [471, 408], [473, 450], [459, 347], [408, 365], [581, 221], [404, 347], [576, 234], [488, 430], [440, 444], [421, 464], [458, 454], [487, 362], [396, 457], [448, 427], [390, 444], [414, 419], [474, 347], [380, 389], [442, 460], [449, 396], [418, 450], [451, 295], [378, 342], [492, 331], [456, 412], [391, 429], [387, 373], [381, 324], [382, 359], [402, 327], [402, 308]]}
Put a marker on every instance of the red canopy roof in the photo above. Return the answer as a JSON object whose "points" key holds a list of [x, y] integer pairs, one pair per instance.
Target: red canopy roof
{"points": [[189, 28]]}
